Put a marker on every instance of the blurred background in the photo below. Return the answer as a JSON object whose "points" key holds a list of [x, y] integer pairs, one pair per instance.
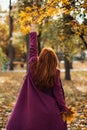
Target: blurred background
{"points": [[63, 27]]}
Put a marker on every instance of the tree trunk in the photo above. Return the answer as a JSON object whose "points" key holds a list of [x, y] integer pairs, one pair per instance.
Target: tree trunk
{"points": [[11, 49], [11, 56], [67, 69]]}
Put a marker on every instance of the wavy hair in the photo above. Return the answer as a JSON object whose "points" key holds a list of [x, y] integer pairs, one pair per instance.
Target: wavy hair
{"points": [[46, 69]]}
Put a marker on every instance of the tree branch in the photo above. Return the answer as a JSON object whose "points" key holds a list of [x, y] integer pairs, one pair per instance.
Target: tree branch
{"points": [[82, 37]]}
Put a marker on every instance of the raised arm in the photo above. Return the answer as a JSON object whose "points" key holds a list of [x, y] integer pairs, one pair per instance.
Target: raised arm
{"points": [[33, 46], [59, 95]]}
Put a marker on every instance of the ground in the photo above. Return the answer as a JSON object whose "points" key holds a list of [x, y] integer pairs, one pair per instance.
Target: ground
{"points": [[75, 93]]}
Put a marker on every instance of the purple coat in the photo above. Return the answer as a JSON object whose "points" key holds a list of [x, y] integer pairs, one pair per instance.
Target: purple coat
{"points": [[35, 109]]}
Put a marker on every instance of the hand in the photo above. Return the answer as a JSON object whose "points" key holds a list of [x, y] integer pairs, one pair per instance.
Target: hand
{"points": [[69, 115], [33, 28]]}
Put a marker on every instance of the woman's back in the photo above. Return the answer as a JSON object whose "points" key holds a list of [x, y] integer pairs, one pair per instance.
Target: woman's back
{"points": [[38, 108]]}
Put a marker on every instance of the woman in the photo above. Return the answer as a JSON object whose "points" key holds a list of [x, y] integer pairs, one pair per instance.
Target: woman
{"points": [[41, 100]]}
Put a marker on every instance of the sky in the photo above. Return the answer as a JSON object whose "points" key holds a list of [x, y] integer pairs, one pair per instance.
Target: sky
{"points": [[5, 4]]}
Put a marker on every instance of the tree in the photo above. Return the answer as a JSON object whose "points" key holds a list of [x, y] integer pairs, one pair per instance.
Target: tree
{"points": [[53, 35], [70, 10], [19, 45], [3, 58], [4, 37], [72, 26], [23, 5], [11, 49]]}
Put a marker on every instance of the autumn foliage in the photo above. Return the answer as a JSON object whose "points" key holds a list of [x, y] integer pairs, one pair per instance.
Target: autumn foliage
{"points": [[39, 11]]}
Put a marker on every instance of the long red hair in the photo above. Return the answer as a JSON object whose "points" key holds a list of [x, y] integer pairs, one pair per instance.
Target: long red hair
{"points": [[46, 68]]}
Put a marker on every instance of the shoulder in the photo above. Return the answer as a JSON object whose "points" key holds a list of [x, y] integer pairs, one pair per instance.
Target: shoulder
{"points": [[58, 72], [32, 62], [58, 76]]}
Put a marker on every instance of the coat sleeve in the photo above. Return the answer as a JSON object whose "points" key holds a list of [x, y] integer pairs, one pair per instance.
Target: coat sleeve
{"points": [[33, 49], [59, 95]]}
